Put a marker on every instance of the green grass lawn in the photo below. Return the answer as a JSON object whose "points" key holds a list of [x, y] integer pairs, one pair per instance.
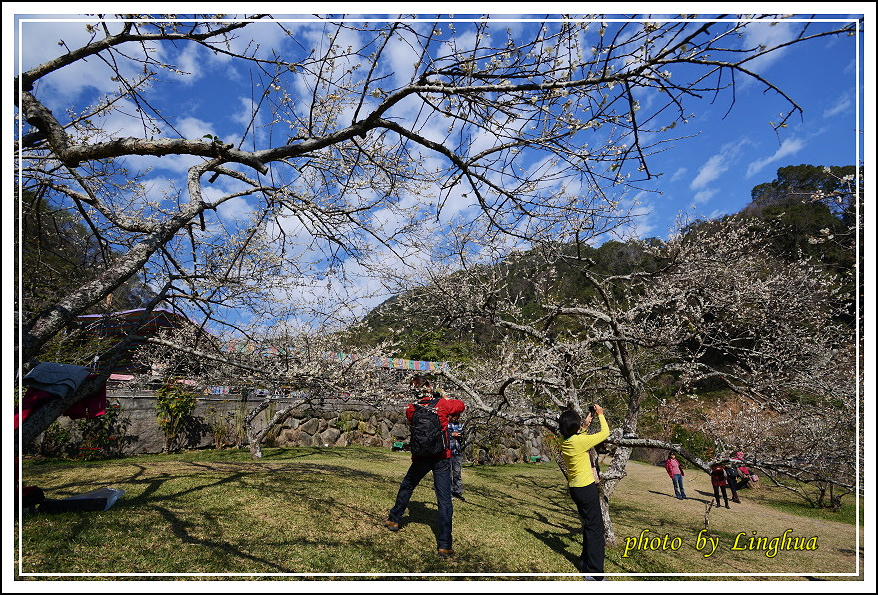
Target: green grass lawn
{"points": [[314, 511]]}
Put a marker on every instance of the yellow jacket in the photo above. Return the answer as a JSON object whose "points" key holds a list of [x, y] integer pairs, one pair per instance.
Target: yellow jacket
{"points": [[575, 451]]}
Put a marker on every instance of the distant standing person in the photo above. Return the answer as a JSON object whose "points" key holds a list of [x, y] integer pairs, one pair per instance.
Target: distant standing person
{"points": [[672, 466], [582, 485], [732, 480], [421, 415], [455, 435], [718, 479]]}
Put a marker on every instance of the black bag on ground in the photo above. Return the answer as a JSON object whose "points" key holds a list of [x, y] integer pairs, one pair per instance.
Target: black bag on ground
{"points": [[428, 439]]}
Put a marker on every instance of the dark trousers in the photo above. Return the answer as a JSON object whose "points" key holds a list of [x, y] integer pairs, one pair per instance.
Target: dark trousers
{"points": [[734, 490], [456, 483], [441, 469], [588, 504], [725, 495]]}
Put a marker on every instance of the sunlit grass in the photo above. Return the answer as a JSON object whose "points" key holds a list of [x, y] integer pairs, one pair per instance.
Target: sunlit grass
{"points": [[319, 511]]}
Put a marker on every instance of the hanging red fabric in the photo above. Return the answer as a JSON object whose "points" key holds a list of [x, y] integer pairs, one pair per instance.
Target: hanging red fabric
{"points": [[94, 405]]}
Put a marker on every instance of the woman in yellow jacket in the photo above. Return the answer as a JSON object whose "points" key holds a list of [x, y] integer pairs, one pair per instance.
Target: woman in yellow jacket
{"points": [[582, 485]]}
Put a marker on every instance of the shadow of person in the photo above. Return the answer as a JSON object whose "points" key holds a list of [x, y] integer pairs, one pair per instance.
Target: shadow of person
{"points": [[663, 494], [709, 495], [422, 514]]}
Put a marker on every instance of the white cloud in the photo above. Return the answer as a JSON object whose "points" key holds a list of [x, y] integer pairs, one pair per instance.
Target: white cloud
{"points": [[704, 196], [403, 56], [718, 164], [767, 34], [42, 34], [712, 169], [45, 40], [193, 128], [642, 223], [841, 105], [235, 209], [251, 123], [679, 174], [119, 123], [790, 146], [158, 189], [191, 60]]}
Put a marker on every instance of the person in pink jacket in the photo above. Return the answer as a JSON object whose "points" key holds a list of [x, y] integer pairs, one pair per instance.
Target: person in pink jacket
{"points": [[672, 466]]}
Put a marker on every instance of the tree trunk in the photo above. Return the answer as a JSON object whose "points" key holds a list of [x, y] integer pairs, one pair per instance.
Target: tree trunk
{"points": [[256, 438], [609, 481], [255, 447], [609, 534], [617, 469]]}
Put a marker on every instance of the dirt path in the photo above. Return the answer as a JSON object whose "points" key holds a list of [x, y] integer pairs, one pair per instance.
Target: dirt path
{"points": [[831, 546]]}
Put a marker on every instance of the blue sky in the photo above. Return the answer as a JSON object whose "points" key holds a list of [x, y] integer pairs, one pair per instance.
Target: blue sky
{"points": [[713, 173], [723, 149]]}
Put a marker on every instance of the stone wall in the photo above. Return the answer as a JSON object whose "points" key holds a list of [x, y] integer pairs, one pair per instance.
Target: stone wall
{"points": [[332, 426]]}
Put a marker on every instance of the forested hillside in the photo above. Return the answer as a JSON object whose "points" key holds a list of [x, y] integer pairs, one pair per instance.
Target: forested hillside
{"points": [[806, 212]]}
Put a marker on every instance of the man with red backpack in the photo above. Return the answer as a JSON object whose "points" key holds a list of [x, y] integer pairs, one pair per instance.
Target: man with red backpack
{"points": [[428, 420]]}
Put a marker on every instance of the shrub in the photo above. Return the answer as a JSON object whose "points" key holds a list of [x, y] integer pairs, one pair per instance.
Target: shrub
{"points": [[174, 407], [105, 436], [220, 426], [102, 437], [57, 442]]}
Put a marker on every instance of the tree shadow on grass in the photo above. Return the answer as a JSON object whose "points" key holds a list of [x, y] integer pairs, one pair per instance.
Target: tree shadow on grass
{"points": [[558, 538], [146, 496], [422, 513], [180, 527], [708, 495], [344, 452]]}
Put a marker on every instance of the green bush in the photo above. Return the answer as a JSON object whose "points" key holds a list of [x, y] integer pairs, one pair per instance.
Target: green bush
{"points": [[102, 437], [57, 442], [105, 436], [693, 441], [174, 406]]}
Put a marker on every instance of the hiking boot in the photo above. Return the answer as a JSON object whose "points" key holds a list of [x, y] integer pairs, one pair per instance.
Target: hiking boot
{"points": [[391, 525], [445, 553], [459, 497]]}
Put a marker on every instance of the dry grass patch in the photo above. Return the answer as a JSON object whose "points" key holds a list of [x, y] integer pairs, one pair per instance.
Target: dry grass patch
{"points": [[645, 500]]}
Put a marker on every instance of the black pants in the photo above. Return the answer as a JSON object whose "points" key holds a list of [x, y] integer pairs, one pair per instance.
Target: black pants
{"points": [[725, 495], [441, 469], [734, 490], [588, 504]]}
